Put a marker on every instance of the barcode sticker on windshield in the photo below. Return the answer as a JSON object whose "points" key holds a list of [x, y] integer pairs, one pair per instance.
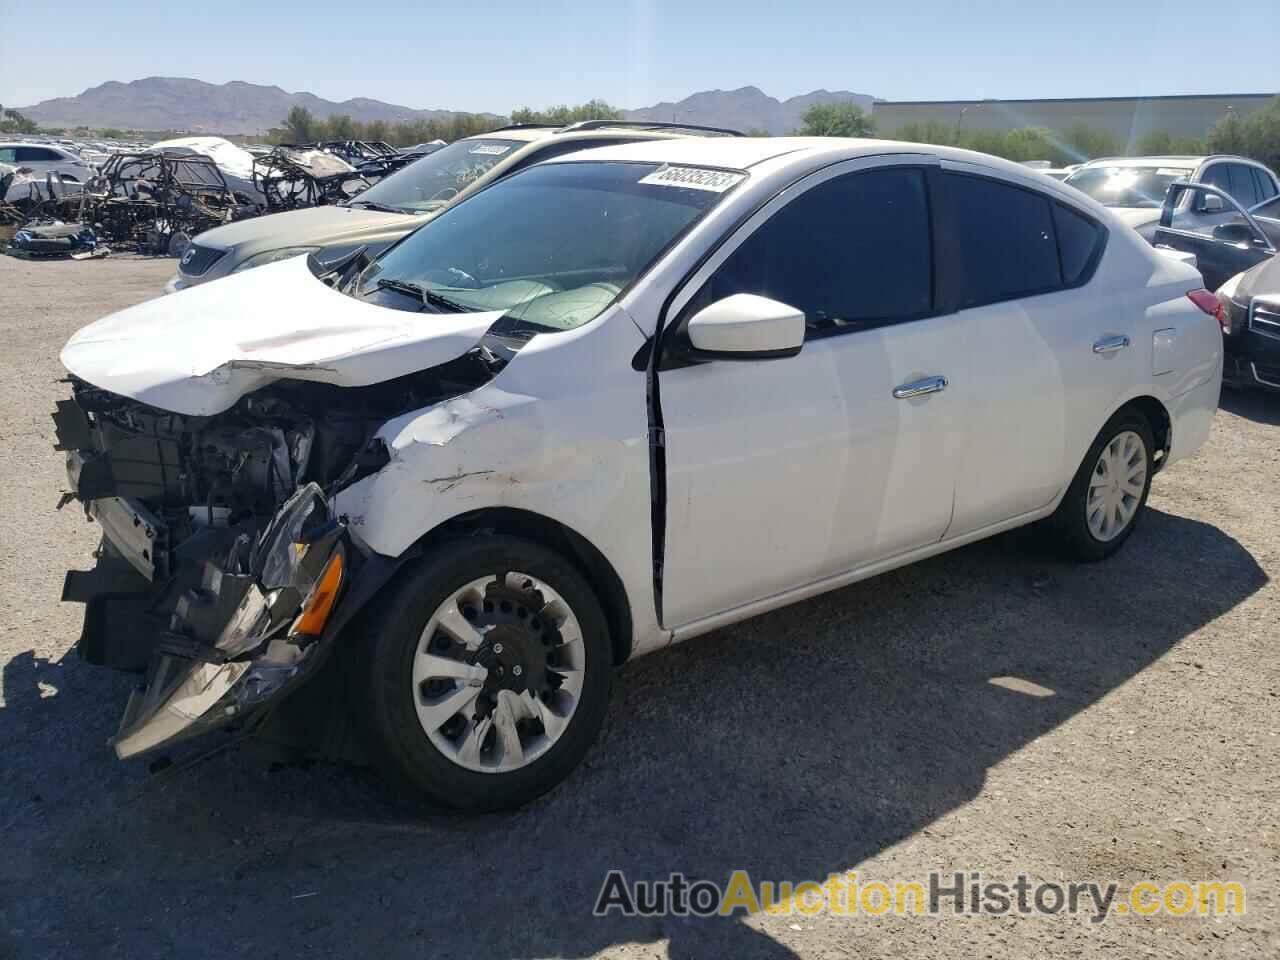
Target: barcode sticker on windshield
{"points": [[693, 178], [489, 149]]}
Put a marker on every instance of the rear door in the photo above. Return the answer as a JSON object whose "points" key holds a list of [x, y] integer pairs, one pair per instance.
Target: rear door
{"points": [[1225, 239], [783, 472], [1049, 354]]}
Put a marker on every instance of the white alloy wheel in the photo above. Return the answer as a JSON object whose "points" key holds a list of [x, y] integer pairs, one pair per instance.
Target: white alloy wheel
{"points": [[1116, 486], [499, 672]]}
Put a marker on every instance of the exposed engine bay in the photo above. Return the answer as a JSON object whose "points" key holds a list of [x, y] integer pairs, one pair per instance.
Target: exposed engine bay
{"points": [[221, 564]]}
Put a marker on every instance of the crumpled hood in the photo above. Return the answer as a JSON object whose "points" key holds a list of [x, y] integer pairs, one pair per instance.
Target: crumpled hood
{"points": [[199, 351]]}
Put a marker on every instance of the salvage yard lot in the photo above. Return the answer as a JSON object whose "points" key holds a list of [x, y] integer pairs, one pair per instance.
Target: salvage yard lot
{"points": [[856, 731]]}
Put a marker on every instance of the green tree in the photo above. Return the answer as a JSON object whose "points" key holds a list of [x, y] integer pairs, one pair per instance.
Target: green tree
{"points": [[564, 114], [300, 126], [1161, 143], [1256, 137], [1088, 143], [340, 127], [836, 120], [11, 121]]}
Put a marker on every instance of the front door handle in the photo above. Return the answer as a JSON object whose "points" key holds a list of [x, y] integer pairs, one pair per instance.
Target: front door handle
{"points": [[918, 388], [1110, 344]]}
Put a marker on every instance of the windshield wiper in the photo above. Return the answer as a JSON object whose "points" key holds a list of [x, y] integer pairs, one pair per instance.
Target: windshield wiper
{"points": [[422, 293], [371, 205]]}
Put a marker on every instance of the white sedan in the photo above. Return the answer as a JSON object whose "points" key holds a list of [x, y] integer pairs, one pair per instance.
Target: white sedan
{"points": [[607, 404]]}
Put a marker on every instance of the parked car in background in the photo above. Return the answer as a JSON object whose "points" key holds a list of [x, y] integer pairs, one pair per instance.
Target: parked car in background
{"points": [[1134, 187], [1235, 250], [613, 401], [42, 159], [402, 201]]}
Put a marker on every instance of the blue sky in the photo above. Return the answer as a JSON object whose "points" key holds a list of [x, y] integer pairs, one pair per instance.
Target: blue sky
{"points": [[500, 54]]}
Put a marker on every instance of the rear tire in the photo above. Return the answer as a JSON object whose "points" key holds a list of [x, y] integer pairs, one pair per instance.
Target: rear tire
{"points": [[1109, 491], [488, 677]]}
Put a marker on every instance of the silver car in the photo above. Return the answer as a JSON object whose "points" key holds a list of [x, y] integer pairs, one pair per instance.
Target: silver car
{"points": [[404, 201]]}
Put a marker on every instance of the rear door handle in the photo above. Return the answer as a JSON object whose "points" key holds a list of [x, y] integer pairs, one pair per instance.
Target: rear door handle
{"points": [[1110, 344], [918, 388]]}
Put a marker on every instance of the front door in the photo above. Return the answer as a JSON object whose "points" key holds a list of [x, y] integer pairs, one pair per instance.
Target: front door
{"points": [[1224, 238], [783, 472]]}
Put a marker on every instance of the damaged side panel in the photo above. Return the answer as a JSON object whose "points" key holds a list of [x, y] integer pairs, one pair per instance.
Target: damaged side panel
{"points": [[528, 441]]}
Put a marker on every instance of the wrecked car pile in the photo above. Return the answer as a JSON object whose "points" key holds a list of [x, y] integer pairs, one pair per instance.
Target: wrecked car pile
{"points": [[373, 158], [157, 201], [293, 176]]}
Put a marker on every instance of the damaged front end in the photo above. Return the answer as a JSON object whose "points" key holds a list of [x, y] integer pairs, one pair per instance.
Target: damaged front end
{"points": [[223, 574]]}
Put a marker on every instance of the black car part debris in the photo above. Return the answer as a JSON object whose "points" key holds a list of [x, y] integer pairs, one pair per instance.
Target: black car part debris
{"points": [[293, 176], [53, 239]]}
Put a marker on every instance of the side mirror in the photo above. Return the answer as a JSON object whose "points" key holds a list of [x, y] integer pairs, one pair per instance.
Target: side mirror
{"points": [[1212, 204], [745, 327]]}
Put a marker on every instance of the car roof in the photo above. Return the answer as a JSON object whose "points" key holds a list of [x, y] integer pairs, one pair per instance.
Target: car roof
{"points": [[563, 134], [741, 153]]}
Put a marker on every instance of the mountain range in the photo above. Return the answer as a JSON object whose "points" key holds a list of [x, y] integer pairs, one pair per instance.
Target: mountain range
{"points": [[184, 104]]}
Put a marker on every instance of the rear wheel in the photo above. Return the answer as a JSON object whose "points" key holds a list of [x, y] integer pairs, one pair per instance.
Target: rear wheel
{"points": [[489, 674], [1109, 490]]}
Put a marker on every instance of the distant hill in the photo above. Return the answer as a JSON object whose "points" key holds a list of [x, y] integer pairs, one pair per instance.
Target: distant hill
{"points": [[183, 104], [179, 103], [747, 108]]}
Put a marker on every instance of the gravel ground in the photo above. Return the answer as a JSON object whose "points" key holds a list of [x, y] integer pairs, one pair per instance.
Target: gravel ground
{"points": [[858, 731]]}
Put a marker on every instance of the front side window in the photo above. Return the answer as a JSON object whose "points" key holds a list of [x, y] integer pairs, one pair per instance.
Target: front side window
{"points": [[1210, 217], [854, 250], [430, 183], [36, 155], [1004, 240], [8, 155], [551, 246]]}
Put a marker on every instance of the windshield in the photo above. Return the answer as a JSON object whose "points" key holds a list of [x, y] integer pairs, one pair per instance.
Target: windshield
{"points": [[551, 246], [437, 178], [1127, 186]]}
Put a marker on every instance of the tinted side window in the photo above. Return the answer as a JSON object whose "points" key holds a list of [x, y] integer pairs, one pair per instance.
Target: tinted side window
{"points": [[8, 155], [1005, 237], [1078, 240], [1243, 187], [854, 249], [36, 155]]}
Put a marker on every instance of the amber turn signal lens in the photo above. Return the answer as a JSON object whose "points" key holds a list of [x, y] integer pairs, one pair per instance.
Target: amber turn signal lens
{"points": [[320, 604]]}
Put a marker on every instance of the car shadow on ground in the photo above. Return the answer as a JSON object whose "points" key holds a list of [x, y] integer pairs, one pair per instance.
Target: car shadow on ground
{"points": [[794, 746], [1259, 406]]}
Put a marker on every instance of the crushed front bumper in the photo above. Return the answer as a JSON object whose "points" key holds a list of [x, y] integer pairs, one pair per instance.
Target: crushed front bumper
{"points": [[220, 636]]}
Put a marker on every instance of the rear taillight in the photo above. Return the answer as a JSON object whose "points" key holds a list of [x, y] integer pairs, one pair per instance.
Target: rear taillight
{"points": [[1211, 305]]}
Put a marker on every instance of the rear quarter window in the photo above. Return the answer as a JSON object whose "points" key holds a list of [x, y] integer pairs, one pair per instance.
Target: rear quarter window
{"points": [[1080, 242]]}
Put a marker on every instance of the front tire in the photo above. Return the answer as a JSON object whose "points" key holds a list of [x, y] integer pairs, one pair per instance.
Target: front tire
{"points": [[1109, 491], [488, 678]]}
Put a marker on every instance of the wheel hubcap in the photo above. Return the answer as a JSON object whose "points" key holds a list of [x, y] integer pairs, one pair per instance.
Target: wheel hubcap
{"points": [[498, 672], [1115, 488]]}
